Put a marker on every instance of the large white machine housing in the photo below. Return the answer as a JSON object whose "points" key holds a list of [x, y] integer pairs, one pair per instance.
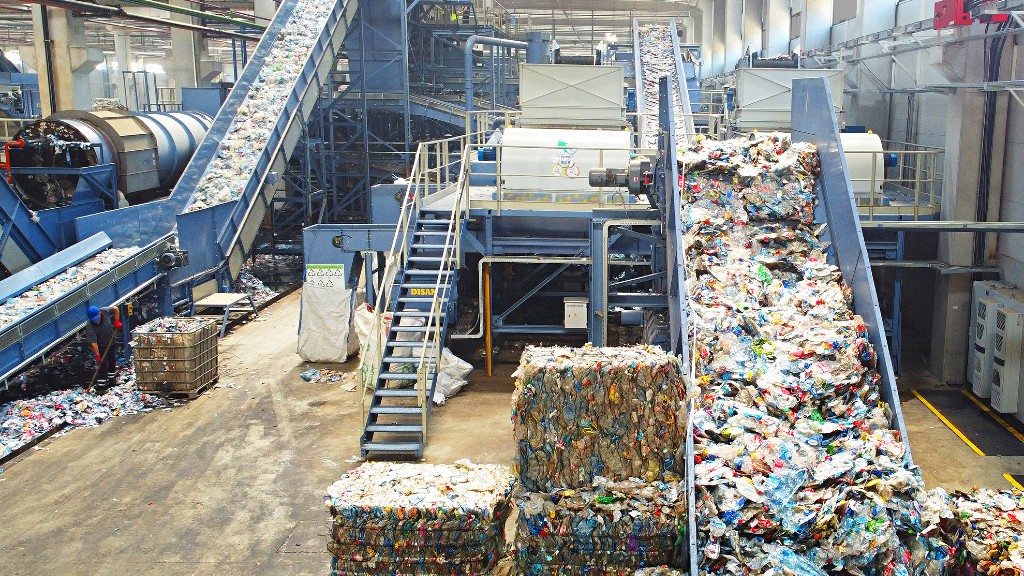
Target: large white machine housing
{"points": [[764, 96], [984, 329], [558, 161], [1008, 356]]}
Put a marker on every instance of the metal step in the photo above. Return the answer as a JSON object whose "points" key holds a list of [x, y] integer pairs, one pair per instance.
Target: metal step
{"points": [[419, 300], [425, 259], [423, 286], [429, 246], [396, 393], [393, 447], [398, 375], [438, 221], [396, 428], [411, 314], [422, 272], [430, 233], [420, 344], [406, 359], [403, 410], [408, 328]]}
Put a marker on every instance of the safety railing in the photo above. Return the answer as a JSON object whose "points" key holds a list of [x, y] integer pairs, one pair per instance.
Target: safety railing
{"points": [[433, 172], [485, 122], [904, 180], [451, 260]]}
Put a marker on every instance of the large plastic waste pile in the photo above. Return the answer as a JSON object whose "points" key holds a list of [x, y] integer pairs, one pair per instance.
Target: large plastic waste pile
{"points": [[419, 519], [977, 533], [601, 435], [255, 288], [797, 468], [610, 529], [18, 307], [657, 60], [581, 413], [25, 420], [227, 175]]}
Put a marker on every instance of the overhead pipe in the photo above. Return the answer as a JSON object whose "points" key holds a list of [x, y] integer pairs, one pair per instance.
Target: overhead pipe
{"points": [[471, 42], [118, 12], [196, 13]]}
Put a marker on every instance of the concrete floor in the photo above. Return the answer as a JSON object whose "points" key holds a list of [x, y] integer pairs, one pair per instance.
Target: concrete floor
{"points": [[232, 482]]}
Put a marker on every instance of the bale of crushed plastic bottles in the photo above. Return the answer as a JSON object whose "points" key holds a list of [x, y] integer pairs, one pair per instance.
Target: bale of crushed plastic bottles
{"points": [[582, 413], [613, 528], [419, 519]]}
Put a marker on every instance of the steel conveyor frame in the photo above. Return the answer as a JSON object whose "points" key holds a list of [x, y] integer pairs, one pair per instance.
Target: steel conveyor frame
{"points": [[817, 124]]}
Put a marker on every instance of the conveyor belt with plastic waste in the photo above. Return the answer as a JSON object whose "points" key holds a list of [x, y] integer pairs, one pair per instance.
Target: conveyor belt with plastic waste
{"points": [[34, 334], [650, 67], [816, 123], [218, 237]]}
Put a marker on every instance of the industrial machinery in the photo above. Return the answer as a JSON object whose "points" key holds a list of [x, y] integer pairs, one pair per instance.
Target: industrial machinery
{"points": [[949, 13], [149, 150]]}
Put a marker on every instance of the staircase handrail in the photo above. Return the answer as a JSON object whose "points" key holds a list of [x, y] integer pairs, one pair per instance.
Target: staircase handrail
{"points": [[417, 188], [451, 260]]}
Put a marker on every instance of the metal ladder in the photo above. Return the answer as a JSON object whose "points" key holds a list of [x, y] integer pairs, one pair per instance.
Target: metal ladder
{"points": [[402, 371]]}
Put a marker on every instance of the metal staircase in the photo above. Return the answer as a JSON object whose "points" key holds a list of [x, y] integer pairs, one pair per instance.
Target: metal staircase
{"points": [[400, 363]]}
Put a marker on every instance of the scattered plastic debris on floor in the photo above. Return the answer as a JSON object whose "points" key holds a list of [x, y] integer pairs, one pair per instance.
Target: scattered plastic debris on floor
{"points": [[255, 288], [25, 420], [317, 375], [610, 529], [657, 60], [40, 295], [240, 149], [410, 518], [581, 413]]}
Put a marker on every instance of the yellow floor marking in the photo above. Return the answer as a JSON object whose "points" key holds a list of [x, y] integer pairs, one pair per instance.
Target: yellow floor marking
{"points": [[948, 423]]}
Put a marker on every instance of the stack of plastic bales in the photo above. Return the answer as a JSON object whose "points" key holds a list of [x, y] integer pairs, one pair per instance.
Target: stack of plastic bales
{"points": [[238, 152], [797, 468], [601, 433], [40, 295], [419, 519]]}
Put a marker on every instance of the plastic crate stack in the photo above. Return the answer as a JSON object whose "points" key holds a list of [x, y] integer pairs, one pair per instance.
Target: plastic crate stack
{"points": [[601, 435], [405, 519], [175, 355]]}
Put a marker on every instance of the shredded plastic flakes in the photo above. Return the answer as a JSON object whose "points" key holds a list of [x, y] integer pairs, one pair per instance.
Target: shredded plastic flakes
{"points": [[610, 529], [228, 174], [18, 307], [419, 519], [580, 413]]}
